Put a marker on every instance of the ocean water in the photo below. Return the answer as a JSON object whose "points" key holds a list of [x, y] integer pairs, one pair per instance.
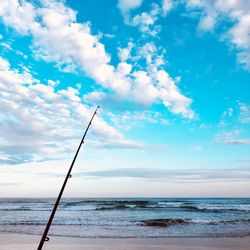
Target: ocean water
{"points": [[123, 217]]}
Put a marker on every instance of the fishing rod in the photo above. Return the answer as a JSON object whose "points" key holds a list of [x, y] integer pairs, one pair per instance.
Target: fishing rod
{"points": [[44, 237]]}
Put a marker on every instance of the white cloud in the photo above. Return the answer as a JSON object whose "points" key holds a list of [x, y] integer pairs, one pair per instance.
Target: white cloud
{"points": [[22, 18], [240, 32], [124, 68], [227, 114], [167, 5], [146, 21], [154, 84], [7, 46], [244, 113], [13, 77], [231, 138], [131, 119], [39, 122], [126, 6], [4, 64], [53, 83], [207, 23], [148, 52], [144, 91], [239, 141], [238, 12], [171, 96], [124, 54], [57, 37], [194, 3]]}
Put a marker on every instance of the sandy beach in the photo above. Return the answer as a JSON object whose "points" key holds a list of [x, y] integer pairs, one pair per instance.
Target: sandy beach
{"points": [[29, 242]]}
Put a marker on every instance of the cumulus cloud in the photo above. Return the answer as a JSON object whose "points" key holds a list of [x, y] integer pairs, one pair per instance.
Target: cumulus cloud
{"points": [[59, 38], [238, 12], [146, 21], [126, 6], [167, 6], [212, 14], [125, 53], [39, 122], [154, 83]]}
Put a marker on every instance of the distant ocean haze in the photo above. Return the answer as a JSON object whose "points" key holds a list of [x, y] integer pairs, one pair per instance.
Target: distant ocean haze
{"points": [[133, 217]]}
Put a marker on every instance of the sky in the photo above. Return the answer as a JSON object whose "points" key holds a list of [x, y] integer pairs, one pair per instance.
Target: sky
{"points": [[172, 79]]}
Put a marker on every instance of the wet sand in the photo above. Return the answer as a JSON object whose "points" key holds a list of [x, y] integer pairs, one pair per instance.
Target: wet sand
{"points": [[9, 241]]}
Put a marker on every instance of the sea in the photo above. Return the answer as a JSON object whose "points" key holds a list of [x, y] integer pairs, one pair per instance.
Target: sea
{"points": [[128, 217]]}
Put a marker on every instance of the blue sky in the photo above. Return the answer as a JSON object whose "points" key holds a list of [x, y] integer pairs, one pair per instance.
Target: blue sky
{"points": [[172, 80]]}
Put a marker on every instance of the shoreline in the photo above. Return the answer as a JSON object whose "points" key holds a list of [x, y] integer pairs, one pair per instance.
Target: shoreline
{"points": [[132, 237], [11, 241]]}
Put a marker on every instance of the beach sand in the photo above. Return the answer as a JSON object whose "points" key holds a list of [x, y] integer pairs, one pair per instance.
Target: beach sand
{"points": [[10, 241]]}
